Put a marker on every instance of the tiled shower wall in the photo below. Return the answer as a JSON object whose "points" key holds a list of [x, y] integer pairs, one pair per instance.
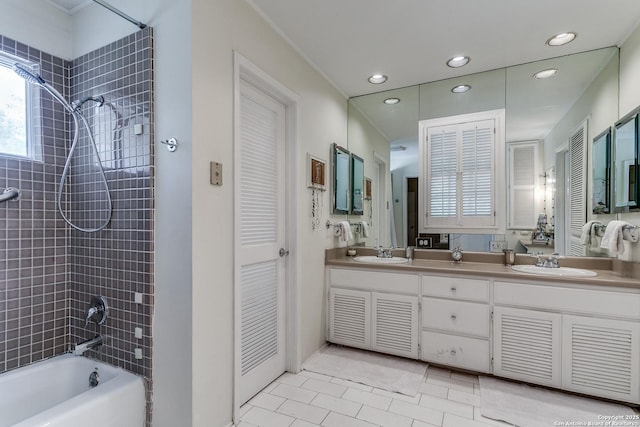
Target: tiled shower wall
{"points": [[34, 242], [49, 271]]}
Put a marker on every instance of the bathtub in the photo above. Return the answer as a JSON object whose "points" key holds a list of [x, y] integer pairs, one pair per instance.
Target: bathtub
{"points": [[56, 393]]}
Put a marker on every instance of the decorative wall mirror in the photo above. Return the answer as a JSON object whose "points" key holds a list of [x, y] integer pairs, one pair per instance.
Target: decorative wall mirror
{"points": [[601, 170], [340, 159], [625, 163], [357, 185]]}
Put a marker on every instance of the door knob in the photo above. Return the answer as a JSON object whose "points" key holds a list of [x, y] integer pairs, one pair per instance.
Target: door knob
{"points": [[283, 252]]}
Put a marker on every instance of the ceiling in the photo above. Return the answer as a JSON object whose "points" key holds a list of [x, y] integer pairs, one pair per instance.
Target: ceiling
{"points": [[410, 40], [69, 6]]}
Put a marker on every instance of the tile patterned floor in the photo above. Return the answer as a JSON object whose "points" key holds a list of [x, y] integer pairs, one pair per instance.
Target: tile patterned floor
{"points": [[446, 399]]}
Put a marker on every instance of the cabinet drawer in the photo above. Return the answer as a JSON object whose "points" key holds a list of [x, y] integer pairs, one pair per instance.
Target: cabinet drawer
{"points": [[456, 316], [401, 283], [453, 350], [588, 301], [455, 287]]}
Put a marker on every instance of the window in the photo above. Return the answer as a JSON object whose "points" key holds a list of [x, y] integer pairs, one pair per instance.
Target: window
{"points": [[16, 100], [462, 173]]}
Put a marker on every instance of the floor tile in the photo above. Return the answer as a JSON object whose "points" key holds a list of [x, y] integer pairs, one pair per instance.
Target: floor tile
{"points": [[324, 387], [335, 404], [459, 376], [438, 372], [351, 384], [244, 409], [451, 420], [294, 393], [417, 423], [292, 379], [316, 375], [305, 412], [383, 418], [369, 399], [246, 424], [464, 397], [446, 405], [263, 418], [339, 420], [454, 384], [398, 396], [267, 401], [478, 417], [420, 413], [434, 390], [300, 423]]}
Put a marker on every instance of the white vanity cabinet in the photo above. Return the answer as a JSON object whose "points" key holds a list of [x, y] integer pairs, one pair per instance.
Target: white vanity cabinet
{"points": [[456, 321], [583, 339], [374, 310]]}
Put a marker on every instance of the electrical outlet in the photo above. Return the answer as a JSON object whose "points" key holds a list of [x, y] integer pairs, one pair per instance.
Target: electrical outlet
{"points": [[497, 245]]}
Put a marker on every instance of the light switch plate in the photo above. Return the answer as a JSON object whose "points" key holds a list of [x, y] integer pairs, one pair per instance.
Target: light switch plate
{"points": [[498, 245], [216, 173]]}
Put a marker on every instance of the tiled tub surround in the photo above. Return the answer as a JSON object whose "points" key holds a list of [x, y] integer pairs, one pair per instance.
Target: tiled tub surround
{"points": [[34, 248], [49, 272]]}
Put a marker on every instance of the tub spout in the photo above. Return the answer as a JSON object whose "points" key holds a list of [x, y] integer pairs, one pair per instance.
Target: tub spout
{"points": [[92, 343]]}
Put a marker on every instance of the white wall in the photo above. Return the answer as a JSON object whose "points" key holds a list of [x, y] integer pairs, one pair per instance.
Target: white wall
{"points": [[219, 27], [37, 24]]}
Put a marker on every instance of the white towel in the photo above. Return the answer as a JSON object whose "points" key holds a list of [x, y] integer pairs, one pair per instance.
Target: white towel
{"points": [[345, 231], [589, 236], [365, 228], [612, 239]]}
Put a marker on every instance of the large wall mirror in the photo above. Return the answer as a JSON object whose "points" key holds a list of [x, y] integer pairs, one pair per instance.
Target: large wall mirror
{"points": [[340, 160], [549, 110], [625, 159], [601, 175]]}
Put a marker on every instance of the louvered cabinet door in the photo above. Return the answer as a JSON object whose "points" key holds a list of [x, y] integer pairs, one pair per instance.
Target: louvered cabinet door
{"points": [[601, 357], [527, 345], [395, 324], [350, 317]]}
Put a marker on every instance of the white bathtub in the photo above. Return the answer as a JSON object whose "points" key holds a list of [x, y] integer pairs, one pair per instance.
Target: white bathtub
{"points": [[56, 393]]}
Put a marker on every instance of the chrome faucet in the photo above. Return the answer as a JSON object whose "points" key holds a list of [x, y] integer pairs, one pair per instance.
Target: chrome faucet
{"points": [[551, 262], [385, 252], [90, 344]]}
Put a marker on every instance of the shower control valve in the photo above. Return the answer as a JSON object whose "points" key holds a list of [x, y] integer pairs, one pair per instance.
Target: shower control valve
{"points": [[97, 312]]}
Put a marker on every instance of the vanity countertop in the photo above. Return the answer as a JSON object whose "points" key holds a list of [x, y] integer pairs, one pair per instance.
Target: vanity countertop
{"points": [[610, 272]]}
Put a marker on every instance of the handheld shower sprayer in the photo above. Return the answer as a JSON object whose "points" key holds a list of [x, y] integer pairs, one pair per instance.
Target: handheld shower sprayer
{"points": [[75, 112]]}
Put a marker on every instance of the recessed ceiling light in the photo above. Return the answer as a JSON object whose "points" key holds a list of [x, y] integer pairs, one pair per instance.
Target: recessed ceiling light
{"points": [[458, 61], [461, 89], [376, 79], [391, 101], [561, 39], [545, 74]]}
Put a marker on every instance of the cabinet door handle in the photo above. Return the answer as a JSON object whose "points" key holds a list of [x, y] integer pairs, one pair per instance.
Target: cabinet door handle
{"points": [[453, 352], [453, 317], [453, 289]]}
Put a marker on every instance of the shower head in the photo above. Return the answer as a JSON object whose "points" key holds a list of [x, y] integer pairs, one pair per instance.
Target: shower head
{"points": [[28, 75]]}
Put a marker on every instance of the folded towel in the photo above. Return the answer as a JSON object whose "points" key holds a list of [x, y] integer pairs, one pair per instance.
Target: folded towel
{"points": [[612, 239], [365, 228], [589, 236], [345, 231]]}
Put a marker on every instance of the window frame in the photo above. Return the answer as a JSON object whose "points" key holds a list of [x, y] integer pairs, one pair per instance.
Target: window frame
{"points": [[32, 102], [461, 223]]}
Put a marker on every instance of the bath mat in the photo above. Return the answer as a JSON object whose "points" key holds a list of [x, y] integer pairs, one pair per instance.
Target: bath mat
{"points": [[389, 373], [528, 406]]}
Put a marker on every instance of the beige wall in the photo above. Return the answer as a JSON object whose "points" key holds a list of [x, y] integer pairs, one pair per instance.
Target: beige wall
{"points": [[219, 28]]}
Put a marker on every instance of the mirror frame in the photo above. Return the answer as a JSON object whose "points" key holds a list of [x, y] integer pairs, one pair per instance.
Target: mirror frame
{"points": [[605, 138], [635, 173], [357, 194], [340, 178]]}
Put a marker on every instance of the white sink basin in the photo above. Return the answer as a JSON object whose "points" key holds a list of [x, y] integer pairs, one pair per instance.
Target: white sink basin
{"points": [[557, 272], [376, 260]]}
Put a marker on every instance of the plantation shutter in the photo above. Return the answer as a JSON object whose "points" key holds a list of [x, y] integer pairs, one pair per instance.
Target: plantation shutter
{"points": [[442, 172], [477, 178]]}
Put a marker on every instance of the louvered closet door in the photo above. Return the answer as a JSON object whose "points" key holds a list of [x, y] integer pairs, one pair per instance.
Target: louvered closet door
{"points": [[523, 178], [260, 235], [601, 357], [394, 320], [577, 190], [527, 345], [350, 317]]}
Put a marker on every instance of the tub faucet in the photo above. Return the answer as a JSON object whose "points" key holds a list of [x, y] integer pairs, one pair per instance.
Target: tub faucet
{"points": [[90, 344]]}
